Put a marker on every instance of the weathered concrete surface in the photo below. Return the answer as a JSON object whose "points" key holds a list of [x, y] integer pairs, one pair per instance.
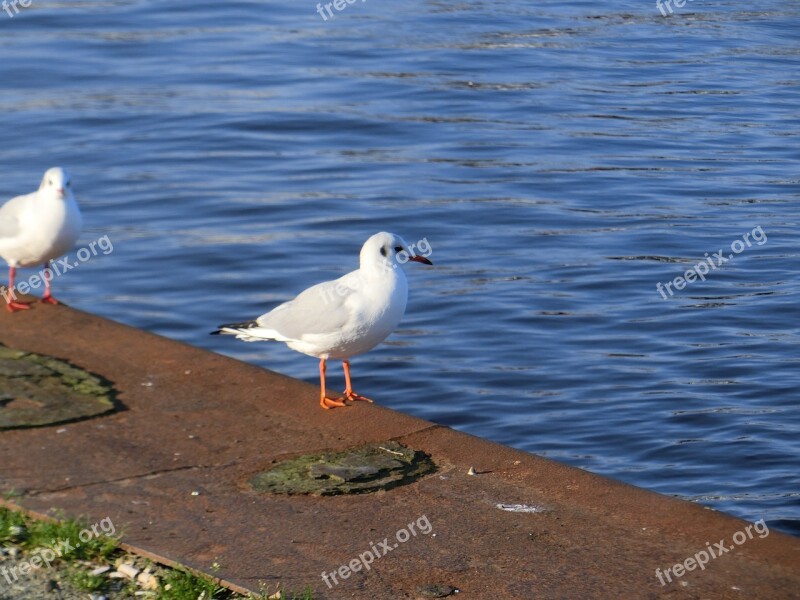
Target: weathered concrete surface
{"points": [[173, 470]]}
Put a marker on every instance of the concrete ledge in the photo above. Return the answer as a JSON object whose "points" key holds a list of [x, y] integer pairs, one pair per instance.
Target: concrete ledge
{"points": [[172, 470]]}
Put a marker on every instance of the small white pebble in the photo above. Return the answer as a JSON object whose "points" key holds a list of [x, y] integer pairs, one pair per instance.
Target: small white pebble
{"points": [[195, 493], [62, 430], [129, 571], [471, 471]]}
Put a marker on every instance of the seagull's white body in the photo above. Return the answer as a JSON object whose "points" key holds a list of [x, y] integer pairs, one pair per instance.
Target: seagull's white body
{"points": [[38, 227], [341, 318]]}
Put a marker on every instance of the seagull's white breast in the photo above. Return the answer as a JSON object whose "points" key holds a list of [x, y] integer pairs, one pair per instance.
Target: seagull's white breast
{"points": [[46, 228]]}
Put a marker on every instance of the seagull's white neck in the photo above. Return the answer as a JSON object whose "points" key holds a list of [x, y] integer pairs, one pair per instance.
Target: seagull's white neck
{"points": [[52, 197], [381, 269]]}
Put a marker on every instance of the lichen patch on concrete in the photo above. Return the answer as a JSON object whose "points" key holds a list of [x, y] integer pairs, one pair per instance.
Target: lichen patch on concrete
{"points": [[358, 470], [38, 390]]}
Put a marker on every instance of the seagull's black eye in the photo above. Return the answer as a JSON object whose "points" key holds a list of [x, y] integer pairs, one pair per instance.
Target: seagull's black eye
{"points": [[383, 251], [398, 248]]}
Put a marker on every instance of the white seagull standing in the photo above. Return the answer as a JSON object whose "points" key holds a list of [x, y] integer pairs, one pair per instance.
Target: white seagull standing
{"points": [[342, 318], [38, 227]]}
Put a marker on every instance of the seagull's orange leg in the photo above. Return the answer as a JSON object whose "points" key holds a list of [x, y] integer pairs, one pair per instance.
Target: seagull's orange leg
{"points": [[47, 298], [13, 305], [348, 389], [324, 401]]}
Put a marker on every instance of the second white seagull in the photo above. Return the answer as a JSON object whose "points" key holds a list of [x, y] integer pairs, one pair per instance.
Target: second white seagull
{"points": [[342, 318], [38, 227]]}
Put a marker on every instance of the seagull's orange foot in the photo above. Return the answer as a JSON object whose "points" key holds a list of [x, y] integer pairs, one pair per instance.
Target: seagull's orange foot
{"points": [[15, 306], [328, 403], [49, 300], [354, 397]]}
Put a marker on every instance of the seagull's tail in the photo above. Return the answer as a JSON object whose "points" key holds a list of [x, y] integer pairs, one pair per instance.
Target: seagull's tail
{"points": [[249, 331], [234, 328]]}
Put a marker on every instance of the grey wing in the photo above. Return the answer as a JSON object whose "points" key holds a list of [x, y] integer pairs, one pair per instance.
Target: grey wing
{"points": [[9, 217], [319, 310]]}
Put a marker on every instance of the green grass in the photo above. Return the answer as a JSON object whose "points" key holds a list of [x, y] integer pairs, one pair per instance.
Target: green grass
{"points": [[9, 520], [84, 581], [62, 537], [307, 594], [181, 585]]}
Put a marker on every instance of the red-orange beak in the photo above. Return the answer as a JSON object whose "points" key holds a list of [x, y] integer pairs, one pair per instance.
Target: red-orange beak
{"points": [[420, 259]]}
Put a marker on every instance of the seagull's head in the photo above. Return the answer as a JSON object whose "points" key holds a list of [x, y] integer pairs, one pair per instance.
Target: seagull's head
{"points": [[57, 181], [385, 252]]}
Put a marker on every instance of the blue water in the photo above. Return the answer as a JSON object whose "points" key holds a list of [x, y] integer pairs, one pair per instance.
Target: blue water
{"points": [[561, 158]]}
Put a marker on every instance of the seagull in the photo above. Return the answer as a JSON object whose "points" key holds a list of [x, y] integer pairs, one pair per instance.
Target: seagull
{"points": [[342, 318], [38, 227]]}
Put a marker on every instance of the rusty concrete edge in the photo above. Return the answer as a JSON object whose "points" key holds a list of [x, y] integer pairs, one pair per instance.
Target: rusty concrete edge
{"points": [[132, 549], [435, 439]]}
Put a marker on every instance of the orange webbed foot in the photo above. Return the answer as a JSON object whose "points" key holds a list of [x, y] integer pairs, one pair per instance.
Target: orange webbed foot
{"points": [[352, 396], [328, 403], [15, 306]]}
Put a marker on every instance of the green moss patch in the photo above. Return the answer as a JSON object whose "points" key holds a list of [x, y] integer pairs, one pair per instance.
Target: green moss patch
{"points": [[358, 470], [38, 390]]}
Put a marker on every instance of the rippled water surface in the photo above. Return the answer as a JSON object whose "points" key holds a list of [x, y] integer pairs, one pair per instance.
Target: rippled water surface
{"points": [[562, 159]]}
